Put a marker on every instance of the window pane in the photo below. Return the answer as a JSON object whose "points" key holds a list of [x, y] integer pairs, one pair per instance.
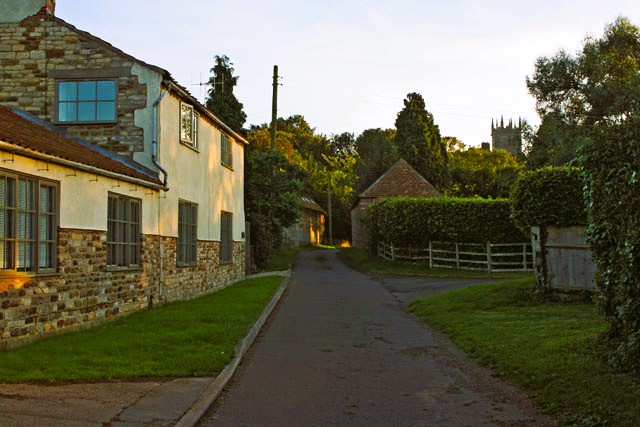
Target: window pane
{"points": [[106, 111], [106, 91], [46, 260], [86, 91], [186, 123], [86, 111], [68, 91], [67, 111]]}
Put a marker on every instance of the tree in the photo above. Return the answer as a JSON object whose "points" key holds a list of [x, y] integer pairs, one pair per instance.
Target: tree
{"points": [[419, 142], [483, 173], [221, 100], [376, 153], [595, 97]]}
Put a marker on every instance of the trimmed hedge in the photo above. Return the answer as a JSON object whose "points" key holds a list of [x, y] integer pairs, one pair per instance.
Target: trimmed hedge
{"points": [[549, 196], [412, 222]]}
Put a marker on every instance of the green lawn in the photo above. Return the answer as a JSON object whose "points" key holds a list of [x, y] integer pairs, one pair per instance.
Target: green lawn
{"points": [[188, 338], [362, 260], [547, 349]]}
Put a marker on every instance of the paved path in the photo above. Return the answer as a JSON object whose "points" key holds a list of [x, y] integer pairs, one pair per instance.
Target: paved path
{"points": [[342, 351]]}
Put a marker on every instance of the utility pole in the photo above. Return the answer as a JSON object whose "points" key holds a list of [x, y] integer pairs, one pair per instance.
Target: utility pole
{"points": [[274, 108], [330, 213]]}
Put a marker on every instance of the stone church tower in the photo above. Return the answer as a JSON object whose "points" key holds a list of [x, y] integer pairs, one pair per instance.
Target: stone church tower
{"points": [[506, 137]]}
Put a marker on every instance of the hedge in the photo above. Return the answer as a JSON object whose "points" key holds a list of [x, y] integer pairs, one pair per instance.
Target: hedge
{"points": [[413, 222], [549, 196]]}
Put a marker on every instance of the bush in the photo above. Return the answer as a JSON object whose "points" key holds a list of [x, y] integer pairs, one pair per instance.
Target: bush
{"points": [[549, 196], [413, 222]]}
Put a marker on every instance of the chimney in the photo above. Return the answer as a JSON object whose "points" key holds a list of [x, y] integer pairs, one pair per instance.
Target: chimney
{"points": [[50, 6], [17, 10]]}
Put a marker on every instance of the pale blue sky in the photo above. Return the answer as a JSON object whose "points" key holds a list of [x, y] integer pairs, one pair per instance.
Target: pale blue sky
{"points": [[347, 65]]}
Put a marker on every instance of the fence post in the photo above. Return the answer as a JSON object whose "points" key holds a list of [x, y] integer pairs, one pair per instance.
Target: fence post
{"points": [[489, 257], [393, 253], [457, 257], [430, 255], [524, 257]]}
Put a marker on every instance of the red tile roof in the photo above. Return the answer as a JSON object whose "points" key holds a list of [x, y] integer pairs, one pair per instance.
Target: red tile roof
{"points": [[20, 129], [401, 180]]}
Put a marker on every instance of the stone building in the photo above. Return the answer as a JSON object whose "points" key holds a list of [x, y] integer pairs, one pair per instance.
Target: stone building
{"points": [[310, 227], [507, 137], [401, 180], [118, 189]]}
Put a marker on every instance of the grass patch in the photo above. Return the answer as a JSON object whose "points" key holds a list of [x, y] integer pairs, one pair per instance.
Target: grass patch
{"points": [[285, 256], [362, 260], [547, 349], [181, 339]]}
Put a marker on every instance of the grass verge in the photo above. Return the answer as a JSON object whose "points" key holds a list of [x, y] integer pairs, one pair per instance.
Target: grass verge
{"points": [[181, 339], [285, 256], [547, 349], [362, 260]]}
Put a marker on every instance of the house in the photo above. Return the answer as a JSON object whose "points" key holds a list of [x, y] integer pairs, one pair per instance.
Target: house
{"points": [[401, 180], [310, 228], [118, 189]]}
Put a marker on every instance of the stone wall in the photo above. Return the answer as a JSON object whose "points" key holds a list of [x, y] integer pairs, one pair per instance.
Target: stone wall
{"points": [[85, 292], [40, 49], [359, 234]]}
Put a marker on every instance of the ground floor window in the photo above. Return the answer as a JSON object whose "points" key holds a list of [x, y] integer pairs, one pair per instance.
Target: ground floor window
{"points": [[28, 223], [226, 237], [187, 233], [123, 231]]}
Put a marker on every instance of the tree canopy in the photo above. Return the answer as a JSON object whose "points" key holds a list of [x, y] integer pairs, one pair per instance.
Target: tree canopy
{"points": [[418, 141], [220, 98]]}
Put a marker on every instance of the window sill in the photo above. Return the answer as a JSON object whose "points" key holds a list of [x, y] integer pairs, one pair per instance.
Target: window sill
{"points": [[227, 167], [229, 262], [118, 269], [190, 146], [92, 122], [186, 265], [12, 274]]}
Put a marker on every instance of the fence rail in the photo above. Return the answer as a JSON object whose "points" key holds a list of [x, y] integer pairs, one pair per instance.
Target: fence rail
{"points": [[491, 257]]}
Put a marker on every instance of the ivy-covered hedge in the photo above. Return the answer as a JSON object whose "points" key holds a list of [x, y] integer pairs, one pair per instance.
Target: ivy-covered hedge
{"points": [[549, 196], [413, 222]]}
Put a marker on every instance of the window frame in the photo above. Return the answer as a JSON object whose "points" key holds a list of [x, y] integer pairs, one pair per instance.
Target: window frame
{"points": [[187, 243], [95, 101], [124, 242], [226, 151], [192, 140], [226, 239], [39, 216]]}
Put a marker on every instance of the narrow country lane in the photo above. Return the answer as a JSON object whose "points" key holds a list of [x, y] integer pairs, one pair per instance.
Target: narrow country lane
{"points": [[342, 351]]}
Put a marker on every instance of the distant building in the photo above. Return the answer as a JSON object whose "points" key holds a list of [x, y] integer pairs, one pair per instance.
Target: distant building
{"points": [[310, 227], [401, 180], [485, 146], [506, 137]]}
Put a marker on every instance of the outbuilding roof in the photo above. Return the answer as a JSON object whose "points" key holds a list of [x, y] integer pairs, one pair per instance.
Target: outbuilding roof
{"points": [[36, 138], [401, 180]]}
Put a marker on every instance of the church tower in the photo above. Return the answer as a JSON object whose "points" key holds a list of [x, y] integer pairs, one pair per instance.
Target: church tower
{"points": [[506, 137]]}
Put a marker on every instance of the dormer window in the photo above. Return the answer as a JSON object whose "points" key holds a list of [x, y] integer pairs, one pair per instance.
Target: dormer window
{"points": [[188, 125], [86, 101]]}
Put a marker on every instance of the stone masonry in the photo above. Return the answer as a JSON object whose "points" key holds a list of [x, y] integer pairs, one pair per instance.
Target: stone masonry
{"points": [[39, 50], [85, 292]]}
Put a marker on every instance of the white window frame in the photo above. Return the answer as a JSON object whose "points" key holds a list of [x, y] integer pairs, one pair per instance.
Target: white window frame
{"points": [[188, 136]]}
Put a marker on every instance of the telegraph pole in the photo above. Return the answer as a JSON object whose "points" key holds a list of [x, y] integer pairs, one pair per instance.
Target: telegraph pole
{"points": [[274, 108]]}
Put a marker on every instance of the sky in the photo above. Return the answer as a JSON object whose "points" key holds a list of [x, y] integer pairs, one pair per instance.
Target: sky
{"points": [[347, 65]]}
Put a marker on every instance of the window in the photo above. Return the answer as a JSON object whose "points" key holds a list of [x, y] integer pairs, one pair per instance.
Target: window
{"points": [[226, 237], [28, 224], [188, 125], [225, 151], [82, 101], [123, 231], [187, 233]]}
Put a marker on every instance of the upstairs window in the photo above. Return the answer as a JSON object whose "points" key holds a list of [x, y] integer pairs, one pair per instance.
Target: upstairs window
{"points": [[225, 151], [28, 224], [86, 101], [188, 125]]}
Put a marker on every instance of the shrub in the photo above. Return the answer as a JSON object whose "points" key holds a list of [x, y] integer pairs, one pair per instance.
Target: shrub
{"points": [[549, 196], [412, 222]]}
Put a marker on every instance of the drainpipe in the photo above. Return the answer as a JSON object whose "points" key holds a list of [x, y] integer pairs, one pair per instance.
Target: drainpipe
{"points": [[154, 159], [154, 137]]}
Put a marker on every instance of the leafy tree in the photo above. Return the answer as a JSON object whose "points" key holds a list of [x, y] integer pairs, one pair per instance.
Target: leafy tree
{"points": [[343, 145], [595, 95], [483, 173], [453, 144], [272, 188], [376, 154], [221, 100], [419, 142]]}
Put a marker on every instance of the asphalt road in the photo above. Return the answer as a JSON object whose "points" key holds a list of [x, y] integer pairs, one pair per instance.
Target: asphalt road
{"points": [[342, 351]]}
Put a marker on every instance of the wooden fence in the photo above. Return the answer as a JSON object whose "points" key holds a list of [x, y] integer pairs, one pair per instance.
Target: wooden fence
{"points": [[491, 257]]}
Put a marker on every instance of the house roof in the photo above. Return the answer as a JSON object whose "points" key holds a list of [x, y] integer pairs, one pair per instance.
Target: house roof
{"points": [[401, 180], [37, 138], [168, 80], [307, 203]]}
